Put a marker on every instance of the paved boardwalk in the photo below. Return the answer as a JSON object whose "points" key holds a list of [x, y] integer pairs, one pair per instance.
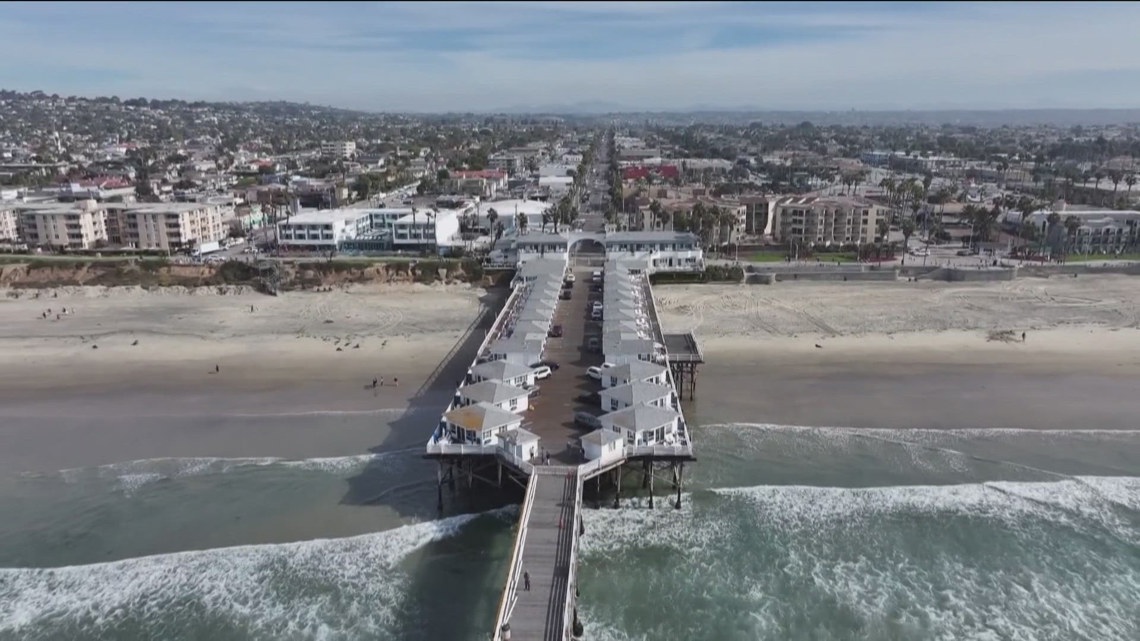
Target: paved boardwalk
{"points": [[540, 613]]}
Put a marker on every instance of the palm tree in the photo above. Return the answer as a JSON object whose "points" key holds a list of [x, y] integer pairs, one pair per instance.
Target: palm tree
{"points": [[492, 218], [1072, 226], [1130, 180], [907, 226]]}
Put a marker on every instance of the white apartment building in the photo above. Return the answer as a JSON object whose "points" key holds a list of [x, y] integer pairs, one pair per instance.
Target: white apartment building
{"points": [[167, 226], [485, 183], [435, 228], [323, 230], [9, 225], [77, 226], [825, 221], [507, 162], [338, 148], [666, 251], [1101, 231]]}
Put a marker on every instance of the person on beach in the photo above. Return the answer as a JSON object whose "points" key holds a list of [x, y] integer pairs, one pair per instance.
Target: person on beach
{"points": [[217, 369], [526, 581], [1022, 337], [375, 382], [395, 382], [381, 381]]}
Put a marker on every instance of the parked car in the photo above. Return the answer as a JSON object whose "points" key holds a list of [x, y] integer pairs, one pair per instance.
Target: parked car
{"points": [[569, 278], [551, 364], [566, 294], [587, 420], [556, 331], [594, 344], [596, 314], [596, 372], [542, 372], [597, 276]]}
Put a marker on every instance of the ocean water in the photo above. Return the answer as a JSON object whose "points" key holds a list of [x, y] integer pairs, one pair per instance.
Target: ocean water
{"points": [[785, 533]]}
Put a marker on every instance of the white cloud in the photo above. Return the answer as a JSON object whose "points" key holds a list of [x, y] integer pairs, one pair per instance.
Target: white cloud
{"points": [[980, 55]]}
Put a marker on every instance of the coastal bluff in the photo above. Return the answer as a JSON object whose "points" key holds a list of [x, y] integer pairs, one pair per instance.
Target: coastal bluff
{"points": [[286, 276]]}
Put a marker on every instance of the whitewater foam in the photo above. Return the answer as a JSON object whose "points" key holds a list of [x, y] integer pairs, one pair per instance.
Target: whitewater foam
{"points": [[1002, 560], [315, 588], [134, 475]]}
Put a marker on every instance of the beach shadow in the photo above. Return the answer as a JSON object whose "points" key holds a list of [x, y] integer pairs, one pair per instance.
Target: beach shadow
{"points": [[415, 496]]}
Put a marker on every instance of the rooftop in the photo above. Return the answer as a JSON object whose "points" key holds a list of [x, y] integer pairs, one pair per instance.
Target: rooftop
{"points": [[491, 392], [480, 417], [327, 216], [640, 417], [637, 392]]}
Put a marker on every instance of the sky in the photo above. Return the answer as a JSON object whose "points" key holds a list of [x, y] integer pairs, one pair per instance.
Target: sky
{"points": [[657, 56]]}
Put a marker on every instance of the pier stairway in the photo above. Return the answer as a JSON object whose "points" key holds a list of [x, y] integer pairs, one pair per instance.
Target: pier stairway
{"points": [[546, 552]]}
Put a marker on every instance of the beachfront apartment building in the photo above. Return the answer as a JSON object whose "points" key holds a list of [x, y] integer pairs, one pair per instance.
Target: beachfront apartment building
{"points": [[166, 226], [813, 220], [428, 228], [383, 229], [80, 225], [9, 225], [323, 230], [1101, 231]]}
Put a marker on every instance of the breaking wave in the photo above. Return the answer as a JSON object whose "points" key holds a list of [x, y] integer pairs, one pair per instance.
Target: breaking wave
{"points": [[995, 560], [328, 589]]}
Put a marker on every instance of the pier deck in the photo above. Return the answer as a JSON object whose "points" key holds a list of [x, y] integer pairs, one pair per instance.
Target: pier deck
{"points": [[548, 533], [551, 415]]}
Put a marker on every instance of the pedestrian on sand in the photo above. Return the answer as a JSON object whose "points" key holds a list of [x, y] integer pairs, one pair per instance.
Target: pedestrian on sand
{"points": [[374, 383], [526, 581], [395, 382], [217, 369], [1022, 337]]}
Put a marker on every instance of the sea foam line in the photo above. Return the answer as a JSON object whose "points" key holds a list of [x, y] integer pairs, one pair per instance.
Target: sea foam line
{"points": [[137, 473], [258, 586], [965, 432], [1076, 501]]}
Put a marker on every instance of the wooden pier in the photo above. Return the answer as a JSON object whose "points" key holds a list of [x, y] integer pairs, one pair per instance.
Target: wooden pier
{"points": [[684, 357], [540, 600]]}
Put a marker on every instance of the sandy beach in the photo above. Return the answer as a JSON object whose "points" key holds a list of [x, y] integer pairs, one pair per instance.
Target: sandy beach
{"points": [[130, 374], [905, 355]]}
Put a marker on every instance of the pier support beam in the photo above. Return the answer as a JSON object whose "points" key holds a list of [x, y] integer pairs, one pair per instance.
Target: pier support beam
{"points": [[680, 477], [439, 488], [649, 466], [617, 486]]}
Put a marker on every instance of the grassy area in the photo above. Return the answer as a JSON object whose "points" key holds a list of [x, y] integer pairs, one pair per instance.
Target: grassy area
{"points": [[779, 257], [1099, 258]]}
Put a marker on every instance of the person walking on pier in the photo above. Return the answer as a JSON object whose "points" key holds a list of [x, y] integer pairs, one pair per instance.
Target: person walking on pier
{"points": [[526, 581]]}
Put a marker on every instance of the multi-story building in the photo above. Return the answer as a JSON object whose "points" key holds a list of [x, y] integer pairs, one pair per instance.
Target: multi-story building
{"points": [[338, 148], [76, 226], [824, 221], [507, 162], [167, 226], [323, 230], [1100, 231], [486, 183], [9, 225]]}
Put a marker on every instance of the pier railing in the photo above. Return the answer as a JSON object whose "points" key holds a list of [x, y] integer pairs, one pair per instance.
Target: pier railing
{"points": [[510, 593], [571, 579]]}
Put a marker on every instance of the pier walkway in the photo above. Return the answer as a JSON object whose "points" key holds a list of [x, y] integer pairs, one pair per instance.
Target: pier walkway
{"points": [[545, 552]]}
